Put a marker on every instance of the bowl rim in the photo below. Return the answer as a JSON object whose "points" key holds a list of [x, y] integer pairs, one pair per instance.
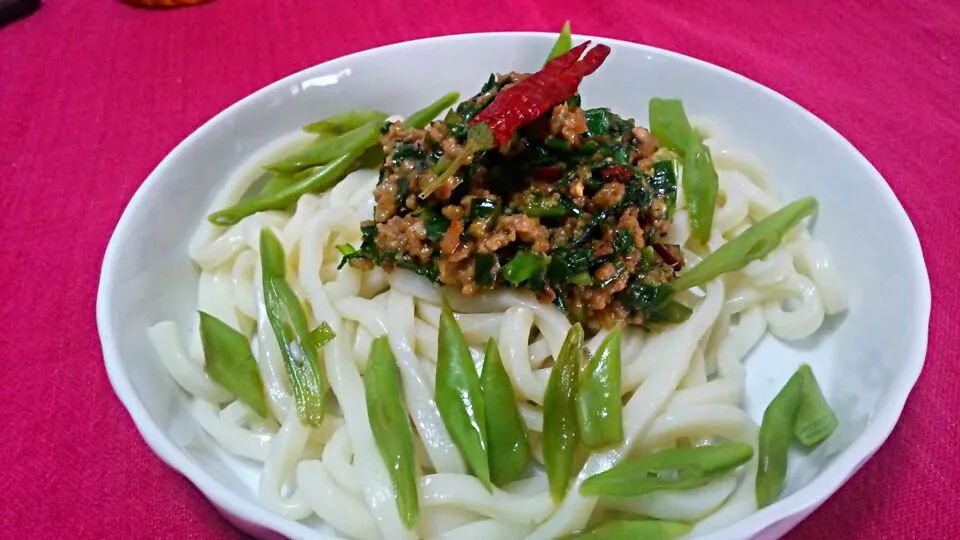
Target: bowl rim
{"points": [[798, 504]]}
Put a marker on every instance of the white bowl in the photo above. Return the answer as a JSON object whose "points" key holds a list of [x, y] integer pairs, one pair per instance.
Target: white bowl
{"points": [[867, 360]]}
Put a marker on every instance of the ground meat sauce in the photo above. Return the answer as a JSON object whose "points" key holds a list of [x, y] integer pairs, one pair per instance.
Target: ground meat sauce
{"points": [[575, 207]]}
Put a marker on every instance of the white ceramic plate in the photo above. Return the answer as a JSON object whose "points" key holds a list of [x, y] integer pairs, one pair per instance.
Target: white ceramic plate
{"points": [[867, 360]]}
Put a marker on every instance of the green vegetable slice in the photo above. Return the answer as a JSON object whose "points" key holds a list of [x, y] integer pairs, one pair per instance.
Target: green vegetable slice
{"points": [[599, 409], [669, 124], [229, 361], [339, 124], [322, 334], [752, 244], [635, 529], [421, 118], [815, 419], [326, 150], [508, 443], [776, 432], [314, 179], [563, 43], [700, 186], [289, 323], [523, 267], [356, 151], [460, 398], [675, 468], [390, 425], [560, 430]]}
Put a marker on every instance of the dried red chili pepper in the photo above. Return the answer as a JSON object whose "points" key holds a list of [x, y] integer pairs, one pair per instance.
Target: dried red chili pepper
{"points": [[524, 102], [530, 98]]}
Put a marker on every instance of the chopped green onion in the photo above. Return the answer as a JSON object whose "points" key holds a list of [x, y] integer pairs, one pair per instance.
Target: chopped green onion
{"points": [[523, 267], [322, 334]]}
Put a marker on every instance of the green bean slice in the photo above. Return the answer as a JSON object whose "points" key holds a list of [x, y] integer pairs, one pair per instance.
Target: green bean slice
{"points": [[700, 186], [421, 118], [326, 150], [507, 440], [322, 178], [752, 244], [560, 430], [669, 124], [815, 419], [390, 424], [339, 124], [599, 408], [776, 433], [289, 323], [459, 396], [229, 361], [635, 529], [276, 182], [315, 179], [675, 468], [563, 43]]}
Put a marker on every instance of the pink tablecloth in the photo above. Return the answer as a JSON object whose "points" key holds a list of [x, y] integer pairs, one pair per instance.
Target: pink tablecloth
{"points": [[94, 93]]}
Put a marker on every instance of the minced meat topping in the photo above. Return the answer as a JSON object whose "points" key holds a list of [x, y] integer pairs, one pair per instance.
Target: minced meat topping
{"points": [[575, 207]]}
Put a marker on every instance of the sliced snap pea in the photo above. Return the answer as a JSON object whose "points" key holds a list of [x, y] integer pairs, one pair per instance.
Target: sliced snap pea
{"points": [[675, 468], [815, 419], [326, 150], [635, 529], [339, 124], [752, 244], [275, 183], [776, 432], [229, 361], [599, 409], [322, 178], [563, 43], [289, 323], [669, 124], [459, 397], [560, 430], [507, 440], [390, 424], [311, 180], [421, 118], [700, 186]]}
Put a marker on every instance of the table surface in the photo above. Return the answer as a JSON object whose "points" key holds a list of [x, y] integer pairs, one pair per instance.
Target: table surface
{"points": [[94, 93]]}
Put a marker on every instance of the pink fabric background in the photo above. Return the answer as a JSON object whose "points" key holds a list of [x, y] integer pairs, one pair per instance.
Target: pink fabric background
{"points": [[94, 93]]}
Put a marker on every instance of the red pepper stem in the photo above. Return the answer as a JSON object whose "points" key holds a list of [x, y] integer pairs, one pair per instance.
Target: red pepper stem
{"points": [[479, 138], [434, 184]]}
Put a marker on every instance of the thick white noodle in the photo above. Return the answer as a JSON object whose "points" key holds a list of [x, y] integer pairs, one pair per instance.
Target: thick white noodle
{"points": [[279, 467], [189, 373], [686, 382], [341, 509], [674, 348]]}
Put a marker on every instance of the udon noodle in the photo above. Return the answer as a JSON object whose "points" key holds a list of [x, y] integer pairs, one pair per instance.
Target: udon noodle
{"points": [[686, 382]]}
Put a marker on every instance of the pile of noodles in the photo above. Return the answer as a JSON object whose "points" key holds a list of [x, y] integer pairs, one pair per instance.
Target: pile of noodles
{"points": [[686, 382]]}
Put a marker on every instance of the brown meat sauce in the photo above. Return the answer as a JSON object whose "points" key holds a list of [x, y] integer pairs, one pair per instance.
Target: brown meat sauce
{"points": [[577, 193]]}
